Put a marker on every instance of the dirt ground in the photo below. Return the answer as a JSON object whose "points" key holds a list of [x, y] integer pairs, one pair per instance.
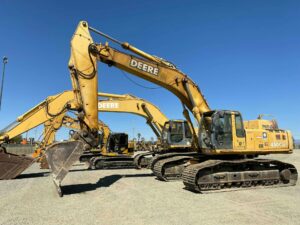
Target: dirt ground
{"points": [[132, 196]]}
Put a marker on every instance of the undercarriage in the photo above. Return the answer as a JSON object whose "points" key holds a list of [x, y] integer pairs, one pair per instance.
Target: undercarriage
{"points": [[205, 173], [223, 175]]}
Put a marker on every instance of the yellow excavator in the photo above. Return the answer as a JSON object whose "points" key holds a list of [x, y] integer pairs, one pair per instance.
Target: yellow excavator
{"points": [[167, 131], [158, 122], [226, 151], [155, 119]]}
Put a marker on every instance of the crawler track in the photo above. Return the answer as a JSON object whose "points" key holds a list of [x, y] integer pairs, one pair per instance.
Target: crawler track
{"points": [[227, 175], [86, 156], [113, 162], [170, 168], [163, 156], [140, 161]]}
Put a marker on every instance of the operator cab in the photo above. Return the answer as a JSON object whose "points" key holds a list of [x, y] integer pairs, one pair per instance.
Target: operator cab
{"points": [[176, 134], [117, 143], [219, 129]]}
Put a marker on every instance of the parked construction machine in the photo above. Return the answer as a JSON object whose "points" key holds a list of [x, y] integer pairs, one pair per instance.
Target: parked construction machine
{"points": [[227, 151], [157, 121], [167, 131]]}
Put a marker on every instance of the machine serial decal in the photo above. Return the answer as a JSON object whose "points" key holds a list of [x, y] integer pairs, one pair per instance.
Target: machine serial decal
{"points": [[278, 144], [144, 67], [108, 105]]}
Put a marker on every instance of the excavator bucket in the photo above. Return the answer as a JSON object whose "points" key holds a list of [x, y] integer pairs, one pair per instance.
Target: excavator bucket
{"points": [[61, 156], [12, 165]]}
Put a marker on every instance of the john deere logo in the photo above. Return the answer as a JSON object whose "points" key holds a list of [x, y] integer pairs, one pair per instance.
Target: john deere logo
{"points": [[108, 105], [144, 67]]}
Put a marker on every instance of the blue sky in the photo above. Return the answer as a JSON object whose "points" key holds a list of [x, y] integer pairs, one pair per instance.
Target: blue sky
{"points": [[244, 55]]}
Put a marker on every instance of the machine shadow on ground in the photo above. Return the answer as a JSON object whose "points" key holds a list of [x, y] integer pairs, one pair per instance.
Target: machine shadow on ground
{"points": [[101, 183], [44, 174], [33, 175]]}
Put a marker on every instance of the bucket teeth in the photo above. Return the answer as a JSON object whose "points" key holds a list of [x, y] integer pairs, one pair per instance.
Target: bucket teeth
{"points": [[60, 157]]}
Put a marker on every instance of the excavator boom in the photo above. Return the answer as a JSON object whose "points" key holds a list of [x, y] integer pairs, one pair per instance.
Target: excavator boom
{"points": [[132, 104], [155, 70]]}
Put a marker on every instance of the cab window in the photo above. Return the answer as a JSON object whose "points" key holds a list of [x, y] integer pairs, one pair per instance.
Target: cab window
{"points": [[165, 131], [239, 126], [188, 133], [176, 132]]}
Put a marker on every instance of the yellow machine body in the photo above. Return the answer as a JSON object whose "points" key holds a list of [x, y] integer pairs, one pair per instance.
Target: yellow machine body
{"points": [[261, 137]]}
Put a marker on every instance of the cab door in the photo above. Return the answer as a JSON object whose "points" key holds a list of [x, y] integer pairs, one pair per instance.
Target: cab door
{"points": [[222, 130], [238, 131]]}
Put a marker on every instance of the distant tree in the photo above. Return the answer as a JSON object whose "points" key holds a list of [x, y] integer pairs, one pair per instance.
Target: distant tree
{"points": [[152, 140], [139, 136], [17, 139]]}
